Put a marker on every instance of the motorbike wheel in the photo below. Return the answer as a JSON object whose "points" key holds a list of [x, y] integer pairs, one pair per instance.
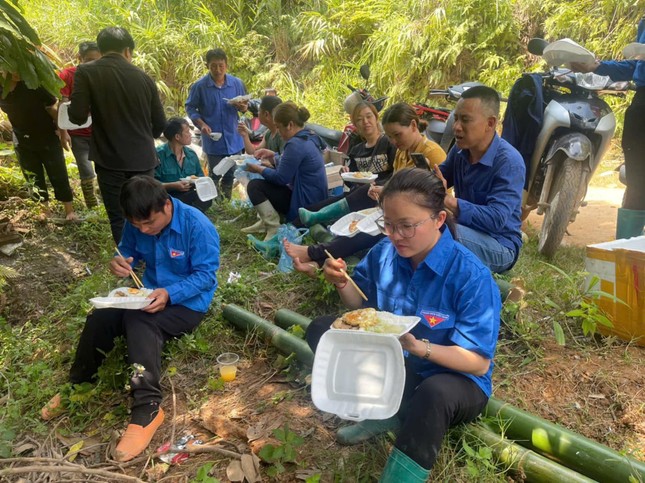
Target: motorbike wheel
{"points": [[562, 201]]}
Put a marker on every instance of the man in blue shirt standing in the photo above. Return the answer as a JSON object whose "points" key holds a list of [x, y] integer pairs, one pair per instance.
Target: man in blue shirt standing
{"points": [[631, 217], [180, 248], [210, 110], [487, 174]]}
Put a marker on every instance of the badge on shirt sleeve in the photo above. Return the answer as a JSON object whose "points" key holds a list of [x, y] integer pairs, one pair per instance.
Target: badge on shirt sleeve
{"points": [[434, 318], [176, 253]]}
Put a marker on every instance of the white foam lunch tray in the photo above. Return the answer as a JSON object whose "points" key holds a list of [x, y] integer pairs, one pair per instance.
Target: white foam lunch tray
{"points": [[403, 324], [63, 118], [112, 301], [358, 375], [341, 227], [350, 176], [366, 223], [205, 188]]}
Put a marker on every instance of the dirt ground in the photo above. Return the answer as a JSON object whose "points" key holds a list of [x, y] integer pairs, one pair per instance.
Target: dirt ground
{"points": [[596, 222]]}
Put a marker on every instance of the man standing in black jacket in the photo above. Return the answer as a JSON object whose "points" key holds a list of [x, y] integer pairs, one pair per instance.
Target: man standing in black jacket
{"points": [[126, 117]]}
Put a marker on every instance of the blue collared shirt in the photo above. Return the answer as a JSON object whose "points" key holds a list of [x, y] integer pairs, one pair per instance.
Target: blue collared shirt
{"points": [[451, 291], [626, 70], [489, 192], [169, 171], [206, 102], [183, 258]]}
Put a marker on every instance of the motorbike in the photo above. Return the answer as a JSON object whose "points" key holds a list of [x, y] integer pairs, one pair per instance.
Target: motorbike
{"points": [[440, 120], [346, 139], [255, 128], [574, 134]]}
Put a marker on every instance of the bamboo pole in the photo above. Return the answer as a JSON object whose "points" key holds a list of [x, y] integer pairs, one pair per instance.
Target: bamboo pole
{"points": [[562, 445], [280, 338], [527, 463], [285, 318]]}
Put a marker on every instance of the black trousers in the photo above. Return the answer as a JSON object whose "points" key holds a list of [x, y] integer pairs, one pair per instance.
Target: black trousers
{"points": [[145, 335], [634, 149], [36, 160], [190, 198], [430, 406], [225, 182], [260, 190], [342, 247], [110, 183]]}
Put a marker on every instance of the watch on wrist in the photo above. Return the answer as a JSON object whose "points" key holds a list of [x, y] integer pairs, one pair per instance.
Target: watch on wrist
{"points": [[428, 349]]}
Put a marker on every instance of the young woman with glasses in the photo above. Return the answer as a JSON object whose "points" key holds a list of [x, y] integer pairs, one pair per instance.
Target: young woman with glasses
{"points": [[419, 269]]}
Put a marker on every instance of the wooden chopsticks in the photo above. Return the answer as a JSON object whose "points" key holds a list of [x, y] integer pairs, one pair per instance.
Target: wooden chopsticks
{"points": [[136, 280], [349, 279]]}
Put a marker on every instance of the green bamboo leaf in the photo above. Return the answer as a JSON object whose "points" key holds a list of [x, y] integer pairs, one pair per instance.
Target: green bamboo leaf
{"points": [[602, 320], [575, 313], [559, 333]]}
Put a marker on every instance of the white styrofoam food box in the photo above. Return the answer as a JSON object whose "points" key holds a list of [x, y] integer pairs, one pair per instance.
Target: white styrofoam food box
{"points": [[358, 375]]}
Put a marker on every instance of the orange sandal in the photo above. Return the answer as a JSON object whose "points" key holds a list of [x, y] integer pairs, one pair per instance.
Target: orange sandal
{"points": [[53, 408], [136, 439]]}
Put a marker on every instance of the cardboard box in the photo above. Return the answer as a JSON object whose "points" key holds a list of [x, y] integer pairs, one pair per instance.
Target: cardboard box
{"points": [[620, 266], [333, 156], [333, 177]]}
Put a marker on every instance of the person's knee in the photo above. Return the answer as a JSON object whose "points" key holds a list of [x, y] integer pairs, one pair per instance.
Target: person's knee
{"points": [[316, 329], [433, 392]]}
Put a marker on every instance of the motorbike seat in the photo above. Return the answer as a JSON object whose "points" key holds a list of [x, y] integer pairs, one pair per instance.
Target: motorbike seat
{"points": [[325, 133]]}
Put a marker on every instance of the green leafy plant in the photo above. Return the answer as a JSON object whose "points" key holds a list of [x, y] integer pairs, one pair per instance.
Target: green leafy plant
{"points": [[478, 459], [580, 305], [22, 53], [285, 452], [203, 474], [215, 384], [6, 438]]}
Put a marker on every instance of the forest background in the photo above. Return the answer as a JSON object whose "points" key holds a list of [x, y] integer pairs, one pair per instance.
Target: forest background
{"points": [[311, 49]]}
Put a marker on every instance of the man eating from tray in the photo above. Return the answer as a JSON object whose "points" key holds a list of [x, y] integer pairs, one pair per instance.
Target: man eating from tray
{"points": [[180, 248]]}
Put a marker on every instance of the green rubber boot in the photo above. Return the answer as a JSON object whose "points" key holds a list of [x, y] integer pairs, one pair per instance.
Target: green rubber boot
{"points": [[400, 468], [268, 249], [320, 234], [359, 432], [329, 213], [629, 223], [257, 227]]}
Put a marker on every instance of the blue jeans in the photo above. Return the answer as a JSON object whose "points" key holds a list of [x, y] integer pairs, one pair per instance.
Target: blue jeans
{"points": [[81, 150], [490, 252]]}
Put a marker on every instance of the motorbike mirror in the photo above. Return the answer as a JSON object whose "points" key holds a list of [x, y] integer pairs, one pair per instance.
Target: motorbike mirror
{"points": [[536, 46], [365, 71]]}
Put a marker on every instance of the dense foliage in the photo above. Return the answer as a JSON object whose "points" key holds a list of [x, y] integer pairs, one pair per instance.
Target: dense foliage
{"points": [[21, 52], [310, 49]]}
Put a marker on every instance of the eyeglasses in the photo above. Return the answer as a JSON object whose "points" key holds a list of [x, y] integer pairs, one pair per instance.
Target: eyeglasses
{"points": [[406, 230]]}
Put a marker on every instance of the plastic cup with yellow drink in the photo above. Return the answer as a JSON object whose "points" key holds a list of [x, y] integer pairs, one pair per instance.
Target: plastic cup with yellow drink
{"points": [[228, 366]]}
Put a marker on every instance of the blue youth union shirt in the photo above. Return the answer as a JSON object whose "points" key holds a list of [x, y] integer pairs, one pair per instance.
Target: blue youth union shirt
{"points": [[208, 101], [183, 258], [451, 291]]}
